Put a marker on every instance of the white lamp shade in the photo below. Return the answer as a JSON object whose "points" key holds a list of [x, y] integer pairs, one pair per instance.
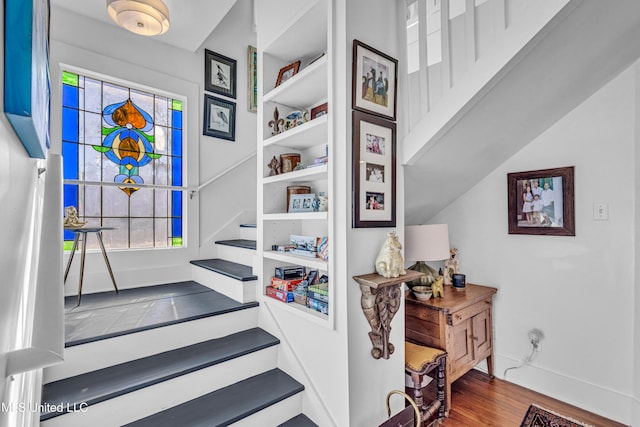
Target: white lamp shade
{"points": [[144, 17], [426, 242]]}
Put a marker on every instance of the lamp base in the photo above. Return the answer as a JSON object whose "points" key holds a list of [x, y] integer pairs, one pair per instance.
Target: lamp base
{"points": [[426, 280]]}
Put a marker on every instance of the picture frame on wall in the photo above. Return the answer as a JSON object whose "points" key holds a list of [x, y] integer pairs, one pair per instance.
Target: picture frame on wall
{"points": [[375, 81], [219, 74], [373, 171], [252, 79], [541, 202], [219, 119]]}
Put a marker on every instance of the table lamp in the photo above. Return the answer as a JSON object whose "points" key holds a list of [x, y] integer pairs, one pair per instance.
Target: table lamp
{"points": [[425, 243]]}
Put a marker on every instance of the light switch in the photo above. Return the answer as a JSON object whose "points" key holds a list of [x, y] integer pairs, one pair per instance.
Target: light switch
{"points": [[601, 211]]}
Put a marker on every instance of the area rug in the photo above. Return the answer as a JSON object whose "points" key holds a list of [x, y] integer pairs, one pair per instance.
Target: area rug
{"points": [[540, 417]]}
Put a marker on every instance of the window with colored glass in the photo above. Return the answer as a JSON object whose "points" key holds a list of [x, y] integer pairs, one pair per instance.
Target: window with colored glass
{"points": [[123, 162]]}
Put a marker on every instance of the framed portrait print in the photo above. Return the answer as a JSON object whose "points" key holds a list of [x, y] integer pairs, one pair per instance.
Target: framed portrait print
{"points": [[219, 74], [540, 202], [252, 79], [301, 202], [219, 118], [374, 171], [287, 72], [374, 81]]}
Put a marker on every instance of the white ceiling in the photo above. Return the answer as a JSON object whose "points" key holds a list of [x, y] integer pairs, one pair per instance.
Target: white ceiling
{"points": [[191, 20]]}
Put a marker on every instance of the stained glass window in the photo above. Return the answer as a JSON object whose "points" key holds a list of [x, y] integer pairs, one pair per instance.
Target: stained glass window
{"points": [[123, 161]]}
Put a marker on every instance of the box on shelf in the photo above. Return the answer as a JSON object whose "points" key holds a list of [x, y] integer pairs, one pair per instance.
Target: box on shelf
{"points": [[279, 295], [300, 299], [290, 272], [317, 296], [304, 246], [319, 288], [288, 285], [322, 243], [316, 305]]}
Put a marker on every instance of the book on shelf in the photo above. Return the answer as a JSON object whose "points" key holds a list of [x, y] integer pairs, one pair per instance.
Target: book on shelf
{"points": [[288, 285], [316, 305], [279, 295]]}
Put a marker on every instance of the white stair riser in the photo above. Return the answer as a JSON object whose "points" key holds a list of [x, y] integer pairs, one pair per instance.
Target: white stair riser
{"points": [[99, 354], [248, 233], [149, 400], [235, 254], [274, 415], [234, 289]]}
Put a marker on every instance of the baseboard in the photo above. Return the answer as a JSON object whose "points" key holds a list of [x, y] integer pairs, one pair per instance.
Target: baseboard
{"points": [[635, 413], [588, 396]]}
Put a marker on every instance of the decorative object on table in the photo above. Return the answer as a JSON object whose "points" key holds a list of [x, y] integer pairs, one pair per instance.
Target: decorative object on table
{"points": [[296, 118], [322, 202], [374, 81], [437, 287], [422, 293], [451, 266], [274, 167], [219, 118], [296, 189], [389, 261], [540, 202], [26, 75], [252, 79], [289, 161], [299, 167], [374, 142], [426, 243], [71, 219], [219, 74], [319, 111], [277, 123], [287, 72], [537, 416], [380, 301], [301, 203], [459, 281]]}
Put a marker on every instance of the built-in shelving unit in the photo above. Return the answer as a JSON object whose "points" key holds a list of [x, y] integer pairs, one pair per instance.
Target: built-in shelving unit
{"points": [[303, 38]]}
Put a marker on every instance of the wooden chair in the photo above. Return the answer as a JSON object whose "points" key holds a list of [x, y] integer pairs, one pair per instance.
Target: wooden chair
{"points": [[421, 361]]}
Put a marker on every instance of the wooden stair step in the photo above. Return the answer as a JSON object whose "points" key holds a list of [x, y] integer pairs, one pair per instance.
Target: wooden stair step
{"points": [[229, 404], [238, 243], [103, 384], [241, 272], [143, 308], [248, 226], [300, 420]]}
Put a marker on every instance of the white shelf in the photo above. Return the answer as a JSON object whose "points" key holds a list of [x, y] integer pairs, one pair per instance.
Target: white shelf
{"points": [[307, 135], [296, 216], [298, 310], [303, 90], [315, 263], [307, 174]]}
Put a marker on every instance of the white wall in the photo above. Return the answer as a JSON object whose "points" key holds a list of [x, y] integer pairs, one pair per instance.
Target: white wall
{"points": [[635, 409], [578, 290], [112, 51], [375, 24]]}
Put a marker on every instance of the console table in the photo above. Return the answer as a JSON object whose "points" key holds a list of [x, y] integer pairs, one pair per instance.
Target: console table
{"points": [[459, 323], [84, 231]]}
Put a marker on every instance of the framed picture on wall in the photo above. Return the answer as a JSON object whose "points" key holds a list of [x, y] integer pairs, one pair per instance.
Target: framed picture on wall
{"points": [[374, 81], [540, 202], [374, 171], [219, 74], [219, 119]]}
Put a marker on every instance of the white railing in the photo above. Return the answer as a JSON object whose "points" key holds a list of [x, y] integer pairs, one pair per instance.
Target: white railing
{"points": [[44, 344], [221, 174]]}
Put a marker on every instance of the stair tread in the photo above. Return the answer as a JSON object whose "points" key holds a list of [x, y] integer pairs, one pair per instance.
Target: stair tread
{"points": [[248, 226], [229, 404], [241, 272], [299, 420], [103, 384], [238, 243], [133, 310]]}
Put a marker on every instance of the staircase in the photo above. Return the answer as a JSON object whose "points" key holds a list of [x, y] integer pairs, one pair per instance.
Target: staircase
{"points": [[178, 354]]}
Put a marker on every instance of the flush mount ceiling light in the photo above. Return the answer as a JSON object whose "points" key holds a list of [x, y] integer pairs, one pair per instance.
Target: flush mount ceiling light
{"points": [[144, 17]]}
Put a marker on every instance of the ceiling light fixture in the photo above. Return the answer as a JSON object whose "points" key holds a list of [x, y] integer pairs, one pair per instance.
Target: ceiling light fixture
{"points": [[144, 17]]}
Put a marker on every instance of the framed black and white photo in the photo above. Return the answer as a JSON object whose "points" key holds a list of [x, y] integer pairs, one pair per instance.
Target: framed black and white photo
{"points": [[219, 118], [219, 74], [374, 81], [374, 171], [541, 202], [301, 203]]}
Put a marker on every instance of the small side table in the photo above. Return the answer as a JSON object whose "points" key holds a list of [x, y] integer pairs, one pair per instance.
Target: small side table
{"points": [[84, 231]]}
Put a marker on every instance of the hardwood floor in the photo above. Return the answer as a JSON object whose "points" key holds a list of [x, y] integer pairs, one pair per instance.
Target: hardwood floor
{"points": [[478, 401]]}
